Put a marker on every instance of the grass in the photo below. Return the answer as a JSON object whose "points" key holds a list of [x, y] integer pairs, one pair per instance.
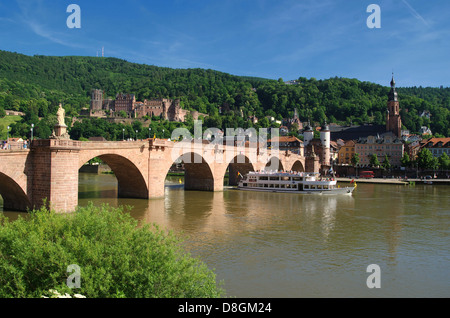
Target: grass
{"points": [[7, 121]]}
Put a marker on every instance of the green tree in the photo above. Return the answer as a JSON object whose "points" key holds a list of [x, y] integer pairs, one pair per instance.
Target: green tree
{"points": [[355, 159], [444, 161], [425, 160], [374, 161], [117, 257], [405, 160], [386, 163]]}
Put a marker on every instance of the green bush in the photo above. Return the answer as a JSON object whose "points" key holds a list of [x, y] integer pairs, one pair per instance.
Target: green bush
{"points": [[117, 257]]}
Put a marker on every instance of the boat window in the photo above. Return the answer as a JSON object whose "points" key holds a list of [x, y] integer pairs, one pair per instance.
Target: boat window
{"points": [[271, 185], [325, 187], [294, 186], [277, 186], [306, 186], [266, 185], [297, 179], [245, 184], [282, 186], [263, 178], [285, 178], [274, 178]]}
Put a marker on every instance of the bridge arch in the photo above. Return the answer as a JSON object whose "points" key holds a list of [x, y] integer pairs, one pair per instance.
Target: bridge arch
{"points": [[198, 174], [298, 166], [14, 197], [273, 164], [131, 182], [238, 167]]}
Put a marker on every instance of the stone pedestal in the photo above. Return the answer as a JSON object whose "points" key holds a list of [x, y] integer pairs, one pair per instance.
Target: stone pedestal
{"points": [[60, 132]]}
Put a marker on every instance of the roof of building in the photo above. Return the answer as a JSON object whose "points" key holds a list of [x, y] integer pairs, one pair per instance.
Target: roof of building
{"points": [[355, 132], [436, 142], [285, 139], [387, 137]]}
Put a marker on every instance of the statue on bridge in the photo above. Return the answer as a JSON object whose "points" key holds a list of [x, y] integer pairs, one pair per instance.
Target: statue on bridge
{"points": [[60, 114], [60, 131]]}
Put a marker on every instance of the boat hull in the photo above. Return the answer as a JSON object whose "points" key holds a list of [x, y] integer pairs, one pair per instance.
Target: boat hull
{"points": [[344, 191]]}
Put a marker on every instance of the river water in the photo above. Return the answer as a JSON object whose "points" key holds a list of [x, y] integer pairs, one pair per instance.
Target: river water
{"points": [[289, 245]]}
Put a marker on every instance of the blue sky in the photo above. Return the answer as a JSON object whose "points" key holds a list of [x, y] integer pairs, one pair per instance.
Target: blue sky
{"points": [[263, 38]]}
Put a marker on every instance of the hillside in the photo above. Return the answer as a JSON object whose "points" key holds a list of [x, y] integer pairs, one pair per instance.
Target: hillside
{"points": [[36, 84]]}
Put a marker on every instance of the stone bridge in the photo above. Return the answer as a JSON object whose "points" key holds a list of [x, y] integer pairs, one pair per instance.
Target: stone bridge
{"points": [[48, 172]]}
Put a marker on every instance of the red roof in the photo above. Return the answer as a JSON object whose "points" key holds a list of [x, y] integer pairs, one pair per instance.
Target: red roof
{"points": [[432, 142], [285, 139]]}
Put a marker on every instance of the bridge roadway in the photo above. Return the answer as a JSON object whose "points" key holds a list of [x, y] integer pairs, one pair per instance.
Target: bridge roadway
{"points": [[48, 172]]}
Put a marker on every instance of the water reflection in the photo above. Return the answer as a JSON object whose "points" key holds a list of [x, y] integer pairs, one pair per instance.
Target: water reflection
{"points": [[285, 245]]}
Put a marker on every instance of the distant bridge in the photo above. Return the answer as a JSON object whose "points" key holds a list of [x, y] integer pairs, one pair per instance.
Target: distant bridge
{"points": [[49, 170]]}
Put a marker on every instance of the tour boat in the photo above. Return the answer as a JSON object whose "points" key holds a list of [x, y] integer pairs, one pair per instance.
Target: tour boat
{"points": [[292, 182]]}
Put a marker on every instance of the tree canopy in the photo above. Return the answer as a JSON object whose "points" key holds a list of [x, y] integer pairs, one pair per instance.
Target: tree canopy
{"points": [[37, 84]]}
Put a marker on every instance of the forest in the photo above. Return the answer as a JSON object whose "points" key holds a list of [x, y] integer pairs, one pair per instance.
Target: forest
{"points": [[36, 85]]}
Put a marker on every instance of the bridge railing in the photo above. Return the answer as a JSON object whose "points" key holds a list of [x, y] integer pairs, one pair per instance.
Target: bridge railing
{"points": [[56, 143], [14, 146]]}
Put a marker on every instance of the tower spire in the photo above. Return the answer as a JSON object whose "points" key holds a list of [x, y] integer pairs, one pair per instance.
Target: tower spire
{"points": [[393, 93]]}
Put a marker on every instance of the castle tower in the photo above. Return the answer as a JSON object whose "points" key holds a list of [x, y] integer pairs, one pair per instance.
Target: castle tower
{"points": [[308, 135], [393, 120], [325, 137], [96, 100]]}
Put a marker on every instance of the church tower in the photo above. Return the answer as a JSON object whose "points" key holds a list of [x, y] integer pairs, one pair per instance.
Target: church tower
{"points": [[393, 120]]}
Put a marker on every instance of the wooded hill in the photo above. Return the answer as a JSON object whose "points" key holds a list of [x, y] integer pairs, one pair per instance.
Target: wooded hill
{"points": [[37, 84]]}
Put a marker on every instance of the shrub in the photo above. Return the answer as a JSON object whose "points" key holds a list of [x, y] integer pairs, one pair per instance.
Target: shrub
{"points": [[117, 257]]}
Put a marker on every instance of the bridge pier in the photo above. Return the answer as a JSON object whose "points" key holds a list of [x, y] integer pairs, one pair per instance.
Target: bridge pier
{"points": [[55, 174]]}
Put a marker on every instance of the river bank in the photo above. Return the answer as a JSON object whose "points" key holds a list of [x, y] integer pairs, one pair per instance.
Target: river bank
{"points": [[394, 180]]}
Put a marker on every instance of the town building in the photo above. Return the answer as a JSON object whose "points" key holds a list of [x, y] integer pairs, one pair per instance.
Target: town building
{"points": [[387, 144], [287, 143], [294, 122], [437, 146], [346, 153]]}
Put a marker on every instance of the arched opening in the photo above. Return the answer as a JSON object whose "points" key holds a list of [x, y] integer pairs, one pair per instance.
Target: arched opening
{"points": [[238, 168], [274, 164], [197, 173], [129, 179], [298, 166], [14, 198]]}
